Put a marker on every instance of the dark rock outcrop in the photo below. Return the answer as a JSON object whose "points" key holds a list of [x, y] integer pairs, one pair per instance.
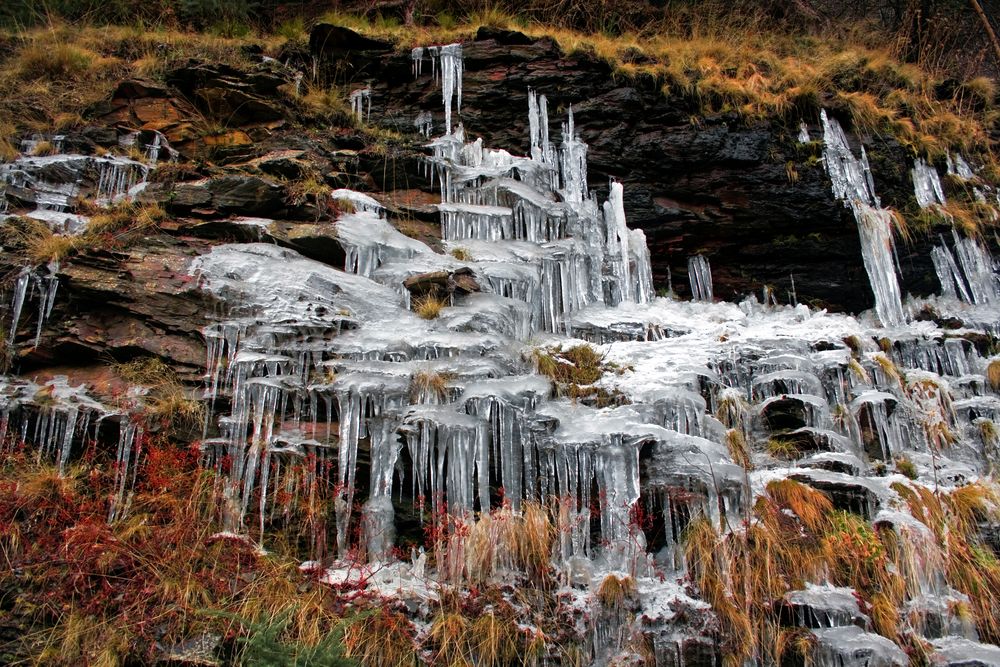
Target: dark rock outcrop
{"points": [[745, 194]]}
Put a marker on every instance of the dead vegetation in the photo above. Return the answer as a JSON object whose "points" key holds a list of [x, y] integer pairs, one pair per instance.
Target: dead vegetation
{"points": [[168, 404], [732, 62], [794, 535], [109, 228]]}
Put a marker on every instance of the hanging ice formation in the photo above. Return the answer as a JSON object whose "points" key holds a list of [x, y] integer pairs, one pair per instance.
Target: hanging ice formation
{"points": [[549, 242], [926, 184], [700, 274], [971, 279], [446, 65], [325, 388], [361, 103], [853, 184], [543, 259], [424, 122]]}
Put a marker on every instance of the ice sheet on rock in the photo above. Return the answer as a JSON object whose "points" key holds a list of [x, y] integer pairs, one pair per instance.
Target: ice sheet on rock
{"points": [[60, 222], [926, 184], [962, 652], [424, 123], [824, 606], [803, 133], [490, 313], [851, 646], [309, 290], [361, 202], [957, 166], [370, 241]]}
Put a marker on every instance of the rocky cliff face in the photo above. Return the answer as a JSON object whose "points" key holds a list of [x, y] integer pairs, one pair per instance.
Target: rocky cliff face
{"points": [[747, 195]]}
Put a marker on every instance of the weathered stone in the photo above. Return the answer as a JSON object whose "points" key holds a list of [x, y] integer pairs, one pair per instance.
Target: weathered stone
{"points": [[442, 282]]}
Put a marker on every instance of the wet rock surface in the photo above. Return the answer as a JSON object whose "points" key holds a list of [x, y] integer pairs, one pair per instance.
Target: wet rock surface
{"points": [[711, 185]]}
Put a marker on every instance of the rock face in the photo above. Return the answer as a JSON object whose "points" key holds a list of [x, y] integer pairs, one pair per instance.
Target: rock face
{"points": [[125, 304], [715, 185]]}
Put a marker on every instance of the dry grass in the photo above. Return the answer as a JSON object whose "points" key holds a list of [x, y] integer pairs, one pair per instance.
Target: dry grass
{"points": [[617, 593], [168, 403], [429, 307], [578, 365], [43, 148], [461, 254], [729, 61], [993, 374], [53, 75], [906, 467], [429, 387], [382, 639], [739, 451]]}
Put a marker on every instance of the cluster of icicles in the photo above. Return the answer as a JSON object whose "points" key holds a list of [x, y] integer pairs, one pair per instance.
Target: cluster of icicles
{"points": [[321, 376], [55, 415], [53, 184]]}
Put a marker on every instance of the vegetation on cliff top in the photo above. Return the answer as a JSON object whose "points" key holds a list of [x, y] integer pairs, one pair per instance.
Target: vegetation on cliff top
{"points": [[724, 59]]}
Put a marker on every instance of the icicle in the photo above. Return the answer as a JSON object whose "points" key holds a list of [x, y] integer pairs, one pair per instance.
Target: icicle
{"points": [[20, 292], [977, 265], [803, 133], [952, 281], [573, 162], [926, 184], [359, 99], [618, 240], [700, 276], [853, 184], [451, 80]]}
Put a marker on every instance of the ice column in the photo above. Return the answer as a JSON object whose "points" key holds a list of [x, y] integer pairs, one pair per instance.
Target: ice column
{"points": [[852, 183], [618, 239], [361, 103], [926, 184], [451, 80], [700, 275]]}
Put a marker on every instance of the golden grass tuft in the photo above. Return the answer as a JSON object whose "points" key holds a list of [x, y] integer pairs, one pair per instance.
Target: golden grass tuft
{"points": [[578, 365], [168, 402], [429, 307], [782, 448], [496, 640], [54, 61], [993, 374], [428, 386], [43, 148], [858, 372], [811, 506], [383, 639], [888, 368], [616, 593], [739, 451], [450, 634], [461, 254], [906, 467]]}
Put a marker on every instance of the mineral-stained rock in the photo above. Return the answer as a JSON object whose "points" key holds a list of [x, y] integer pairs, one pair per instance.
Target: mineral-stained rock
{"points": [[120, 305]]}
